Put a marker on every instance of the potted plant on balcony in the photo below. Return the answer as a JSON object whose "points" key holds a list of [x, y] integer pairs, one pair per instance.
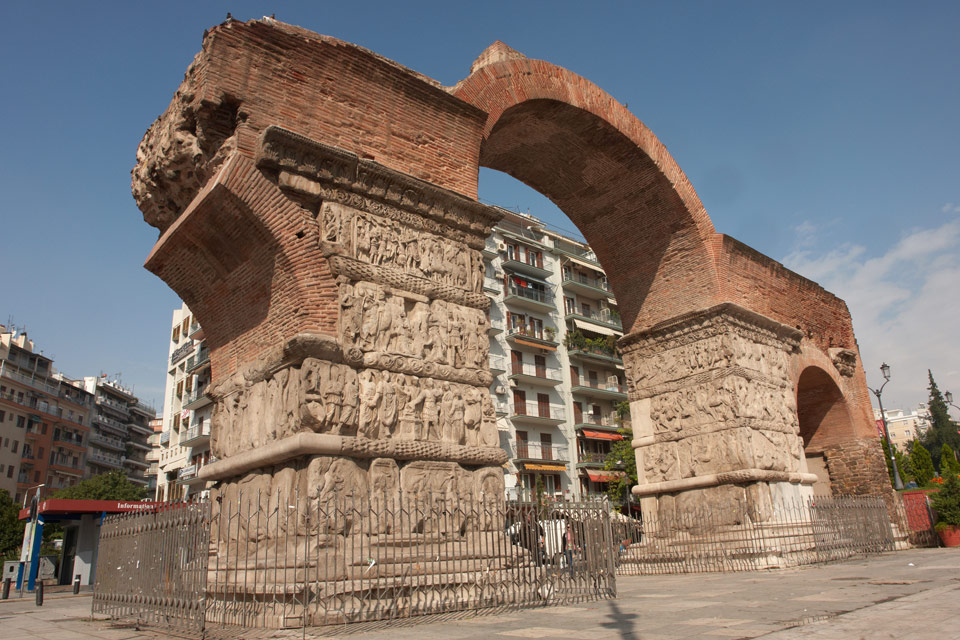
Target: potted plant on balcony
{"points": [[551, 333], [947, 505]]}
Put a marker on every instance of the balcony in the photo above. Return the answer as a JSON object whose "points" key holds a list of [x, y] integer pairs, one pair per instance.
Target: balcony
{"points": [[592, 459], [490, 250], [527, 267], [599, 354], [164, 438], [598, 422], [103, 459], [496, 327], [586, 286], [66, 466], [195, 436], [41, 384], [576, 252], [197, 398], [140, 428], [153, 454], [535, 413], [195, 332], [182, 352], [136, 462], [530, 373], [117, 407], [539, 451], [112, 425], [152, 470], [601, 390], [498, 365], [492, 285], [107, 441], [198, 361], [529, 298], [604, 318], [68, 439], [526, 336]]}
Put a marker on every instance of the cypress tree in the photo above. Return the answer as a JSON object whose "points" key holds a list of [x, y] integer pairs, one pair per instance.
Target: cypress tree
{"points": [[921, 464], [948, 461], [942, 429]]}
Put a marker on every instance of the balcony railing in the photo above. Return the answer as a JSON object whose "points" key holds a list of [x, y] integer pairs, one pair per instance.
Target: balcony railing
{"points": [[605, 353], [194, 434], [101, 458], [107, 441], [498, 364], [535, 371], [611, 421], [118, 426], [539, 410], [164, 437], [612, 387], [579, 278], [69, 438], [604, 316], [537, 295], [152, 470], [539, 451], [198, 393], [120, 407], [578, 252], [197, 361], [526, 331], [593, 457], [41, 384]]}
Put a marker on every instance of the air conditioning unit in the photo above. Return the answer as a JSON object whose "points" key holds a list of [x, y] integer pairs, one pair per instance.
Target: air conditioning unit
{"points": [[500, 390], [498, 274], [501, 246]]}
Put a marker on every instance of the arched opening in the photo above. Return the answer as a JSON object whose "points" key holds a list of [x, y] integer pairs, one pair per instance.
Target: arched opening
{"points": [[824, 421]]}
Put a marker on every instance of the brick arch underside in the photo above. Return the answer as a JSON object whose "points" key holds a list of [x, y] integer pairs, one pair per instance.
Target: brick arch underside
{"points": [[822, 412], [563, 136]]}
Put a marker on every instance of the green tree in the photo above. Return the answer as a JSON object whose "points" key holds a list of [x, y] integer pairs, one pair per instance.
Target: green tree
{"points": [[947, 501], [622, 459], [903, 463], [948, 461], [113, 485], [11, 529], [921, 464], [942, 429]]}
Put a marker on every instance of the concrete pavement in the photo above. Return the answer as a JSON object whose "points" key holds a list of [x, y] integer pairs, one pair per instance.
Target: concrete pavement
{"points": [[910, 594]]}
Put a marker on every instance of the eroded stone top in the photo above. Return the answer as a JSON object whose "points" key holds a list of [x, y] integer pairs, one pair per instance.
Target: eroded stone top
{"points": [[496, 52]]}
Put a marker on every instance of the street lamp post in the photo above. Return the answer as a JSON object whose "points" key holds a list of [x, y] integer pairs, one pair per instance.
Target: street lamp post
{"points": [[885, 370], [949, 398]]}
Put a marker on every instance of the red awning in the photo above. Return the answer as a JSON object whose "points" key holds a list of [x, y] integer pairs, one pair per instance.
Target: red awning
{"points": [[604, 476], [601, 435]]}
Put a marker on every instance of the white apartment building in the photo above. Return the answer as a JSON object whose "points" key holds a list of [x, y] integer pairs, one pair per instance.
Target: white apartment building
{"points": [[120, 431], [184, 438], [558, 376], [905, 426]]}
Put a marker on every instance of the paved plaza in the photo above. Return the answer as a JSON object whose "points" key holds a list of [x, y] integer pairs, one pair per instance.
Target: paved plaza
{"points": [[911, 594]]}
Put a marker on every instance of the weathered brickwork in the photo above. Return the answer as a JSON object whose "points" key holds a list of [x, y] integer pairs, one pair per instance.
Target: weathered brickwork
{"points": [[317, 204]]}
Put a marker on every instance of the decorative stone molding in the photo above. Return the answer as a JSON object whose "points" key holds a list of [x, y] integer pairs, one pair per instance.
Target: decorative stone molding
{"points": [[314, 444], [741, 476], [845, 360], [285, 150]]}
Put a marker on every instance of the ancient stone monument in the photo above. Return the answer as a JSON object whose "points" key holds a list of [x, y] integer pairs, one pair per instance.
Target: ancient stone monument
{"points": [[317, 210]]}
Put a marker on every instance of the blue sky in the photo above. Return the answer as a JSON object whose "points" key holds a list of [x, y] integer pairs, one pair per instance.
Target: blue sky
{"points": [[823, 134]]}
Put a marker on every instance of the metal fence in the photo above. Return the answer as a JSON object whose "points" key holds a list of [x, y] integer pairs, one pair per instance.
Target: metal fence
{"points": [[152, 567], [284, 562], [741, 538]]}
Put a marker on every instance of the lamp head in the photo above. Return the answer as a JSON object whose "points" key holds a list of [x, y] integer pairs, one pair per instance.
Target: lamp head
{"points": [[885, 370], [948, 397]]}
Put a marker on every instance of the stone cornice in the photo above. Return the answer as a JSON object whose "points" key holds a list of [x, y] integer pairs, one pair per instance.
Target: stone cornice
{"points": [[695, 320], [281, 149], [741, 476]]}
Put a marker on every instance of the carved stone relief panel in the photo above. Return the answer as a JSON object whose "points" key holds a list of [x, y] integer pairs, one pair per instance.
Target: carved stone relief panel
{"points": [[400, 244], [377, 321]]}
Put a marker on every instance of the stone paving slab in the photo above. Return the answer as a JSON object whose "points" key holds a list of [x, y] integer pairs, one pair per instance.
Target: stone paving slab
{"points": [[900, 595]]}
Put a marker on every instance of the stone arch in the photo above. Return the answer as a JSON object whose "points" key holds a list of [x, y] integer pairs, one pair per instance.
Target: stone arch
{"points": [[565, 137], [824, 420]]}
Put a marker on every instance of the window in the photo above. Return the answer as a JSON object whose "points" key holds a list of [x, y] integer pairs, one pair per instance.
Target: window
{"points": [[176, 334], [16, 444], [3, 416], [10, 471], [185, 327]]}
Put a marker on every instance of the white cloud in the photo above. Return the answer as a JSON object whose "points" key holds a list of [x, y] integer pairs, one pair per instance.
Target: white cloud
{"points": [[905, 304], [950, 208]]}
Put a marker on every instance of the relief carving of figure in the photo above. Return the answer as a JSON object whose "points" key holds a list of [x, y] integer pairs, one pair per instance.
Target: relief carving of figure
{"points": [[369, 426], [387, 391]]}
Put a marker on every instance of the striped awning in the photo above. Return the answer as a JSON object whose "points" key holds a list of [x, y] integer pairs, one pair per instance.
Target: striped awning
{"points": [[544, 467], [601, 435], [604, 476]]}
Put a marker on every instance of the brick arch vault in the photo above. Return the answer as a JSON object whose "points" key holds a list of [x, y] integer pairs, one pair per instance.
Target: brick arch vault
{"points": [[317, 211], [709, 359]]}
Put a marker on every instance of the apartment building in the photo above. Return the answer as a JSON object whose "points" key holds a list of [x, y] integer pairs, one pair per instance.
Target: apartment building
{"points": [[44, 421], [118, 439], [904, 425], [184, 439], [558, 375]]}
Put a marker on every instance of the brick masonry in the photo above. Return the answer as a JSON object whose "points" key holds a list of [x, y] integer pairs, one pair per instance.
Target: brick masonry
{"points": [[245, 255]]}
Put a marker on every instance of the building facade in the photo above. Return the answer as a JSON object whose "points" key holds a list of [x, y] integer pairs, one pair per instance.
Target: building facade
{"points": [[44, 421], [184, 438], [905, 426], [558, 377], [118, 440]]}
